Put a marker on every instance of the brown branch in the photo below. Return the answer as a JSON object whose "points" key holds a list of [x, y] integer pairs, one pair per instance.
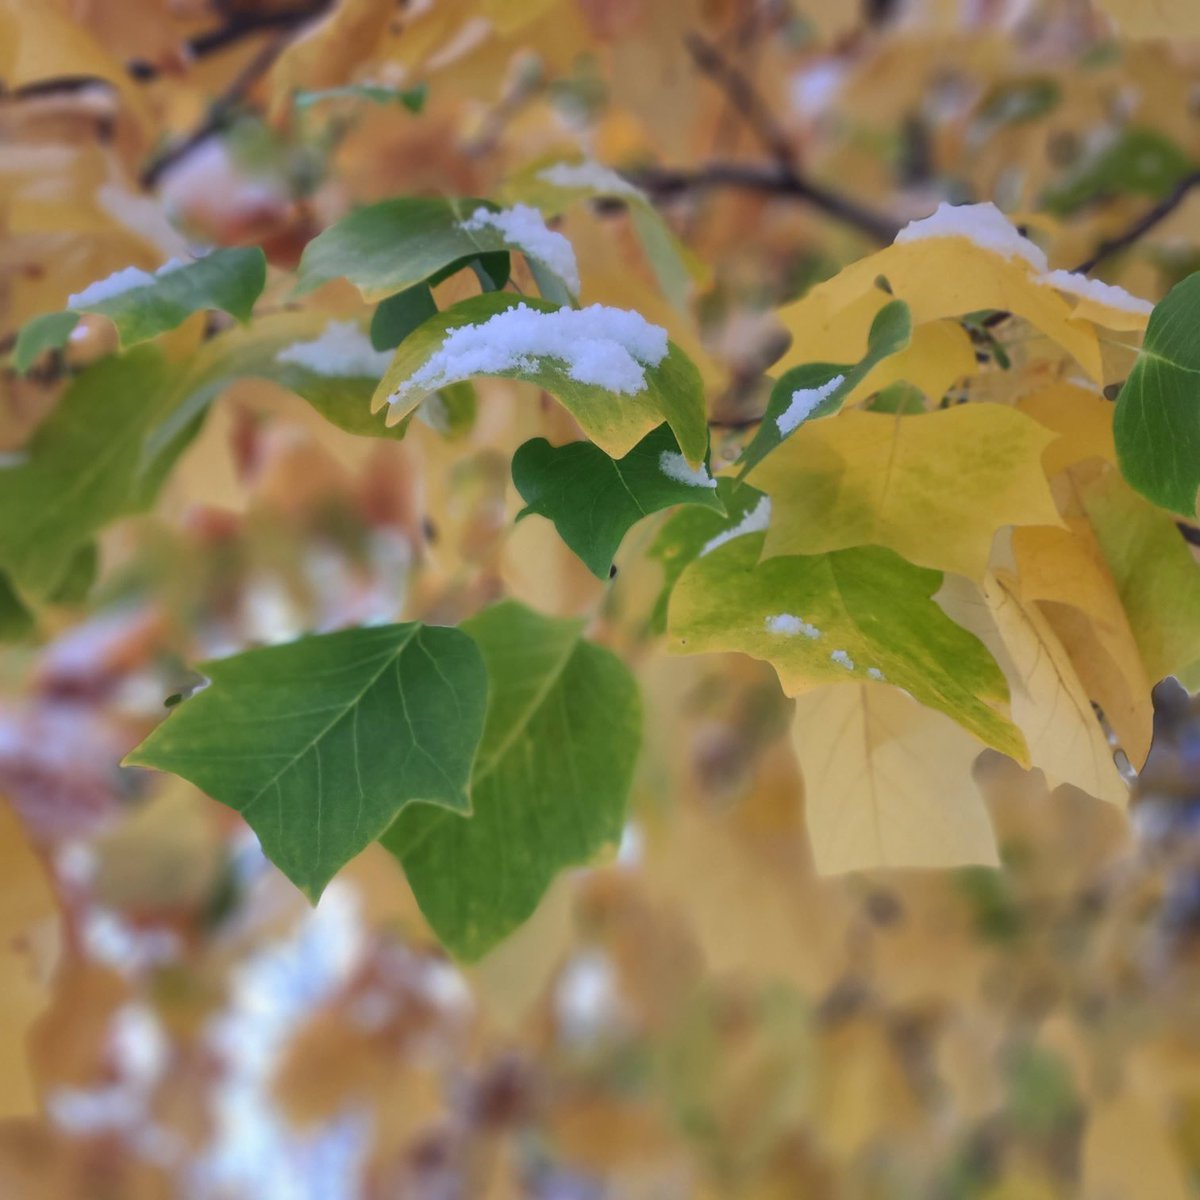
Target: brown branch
{"points": [[745, 98], [220, 113], [666, 183], [783, 177], [238, 29], [1163, 209]]}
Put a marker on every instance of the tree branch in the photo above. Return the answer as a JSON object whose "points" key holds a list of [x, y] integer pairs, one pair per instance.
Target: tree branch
{"points": [[665, 183], [784, 177], [239, 28], [1163, 209]]}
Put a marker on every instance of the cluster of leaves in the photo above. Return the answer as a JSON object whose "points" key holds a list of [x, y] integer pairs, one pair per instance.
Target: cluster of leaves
{"points": [[959, 543], [488, 757]]}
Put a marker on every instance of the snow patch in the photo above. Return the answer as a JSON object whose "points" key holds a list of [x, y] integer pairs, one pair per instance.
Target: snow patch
{"points": [[815, 88], [589, 176], [876, 674], [1094, 289], [755, 521], [983, 224], [524, 227], [125, 280], [790, 626], [606, 347], [843, 659], [804, 400], [675, 466], [342, 351]]}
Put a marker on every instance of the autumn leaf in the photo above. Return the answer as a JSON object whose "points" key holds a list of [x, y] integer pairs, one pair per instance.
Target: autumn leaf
{"points": [[631, 381], [887, 782], [883, 479], [859, 614]]}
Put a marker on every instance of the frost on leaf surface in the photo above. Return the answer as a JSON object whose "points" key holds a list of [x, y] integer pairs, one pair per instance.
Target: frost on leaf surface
{"points": [[1108, 294], [121, 281], [342, 350], [523, 227], [599, 345], [789, 625], [984, 224], [674, 466], [755, 521], [804, 401], [592, 176]]}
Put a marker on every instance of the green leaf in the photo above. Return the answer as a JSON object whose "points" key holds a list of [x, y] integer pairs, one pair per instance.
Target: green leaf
{"points": [[866, 604], [320, 743], [50, 331], [549, 787], [1156, 576], [674, 268], [1157, 422], [687, 532], [1018, 101], [81, 469], [122, 423], [891, 332], [16, 621], [1140, 162], [230, 280], [398, 315], [388, 247], [595, 500], [411, 98], [674, 391]]}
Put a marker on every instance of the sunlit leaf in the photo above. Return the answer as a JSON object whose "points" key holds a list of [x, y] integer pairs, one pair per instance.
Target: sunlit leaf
{"points": [[887, 783], [877, 478], [850, 616]]}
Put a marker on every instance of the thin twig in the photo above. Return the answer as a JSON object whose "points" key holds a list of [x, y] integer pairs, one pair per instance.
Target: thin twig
{"points": [[220, 113], [230, 34], [784, 176], [744, 96], [665, 183], [1163, 209]]}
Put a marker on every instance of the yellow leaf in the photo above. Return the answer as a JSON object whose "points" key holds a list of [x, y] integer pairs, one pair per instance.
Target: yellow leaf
{"points": [[1049, 703], [40, 41], [27, 919], [1064, 570], [1082, 418], [1156, 574], [326, 54], [1127, 1154], [934, 487], [938, 277], [887, 782], [1175, 19]]}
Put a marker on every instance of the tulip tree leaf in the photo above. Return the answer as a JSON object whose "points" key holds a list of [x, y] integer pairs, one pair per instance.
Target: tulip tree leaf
{"points": [[320, 743], [891, 332], [595, 500], [393, 245], [549, 787], [82, 468], [856, 616], [230, 280], [1157, 422], [616, 422]]}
